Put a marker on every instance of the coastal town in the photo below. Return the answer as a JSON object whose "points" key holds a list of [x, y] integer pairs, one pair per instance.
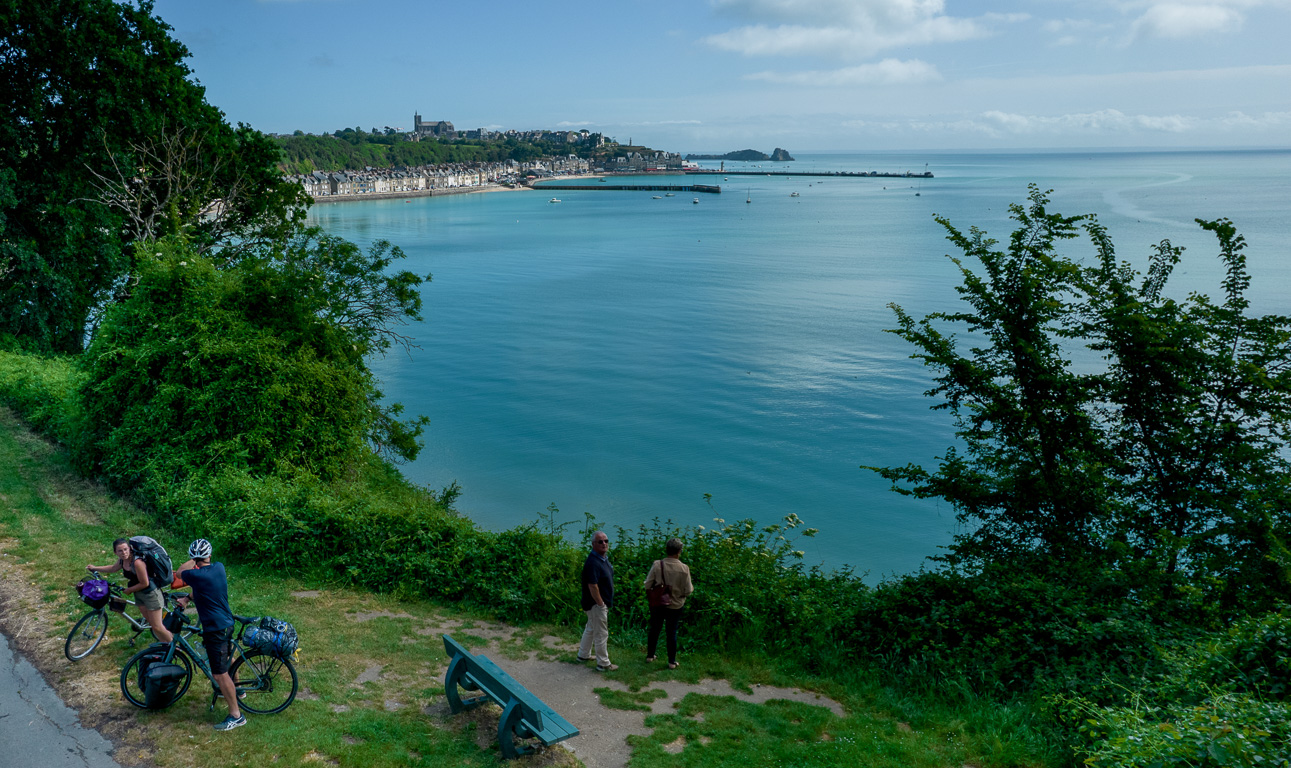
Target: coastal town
{"points": [[455, 178]]}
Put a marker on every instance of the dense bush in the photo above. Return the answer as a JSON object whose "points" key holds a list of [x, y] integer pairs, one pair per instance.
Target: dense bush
{"points": [[1222, 701], [251, 366]]}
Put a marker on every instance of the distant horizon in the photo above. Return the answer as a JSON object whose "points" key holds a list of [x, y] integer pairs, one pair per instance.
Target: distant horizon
{"points": [[891, 75]]}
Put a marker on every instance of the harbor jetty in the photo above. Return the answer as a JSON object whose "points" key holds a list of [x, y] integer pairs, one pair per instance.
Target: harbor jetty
{"points": [[829, 174], [709, 188]]}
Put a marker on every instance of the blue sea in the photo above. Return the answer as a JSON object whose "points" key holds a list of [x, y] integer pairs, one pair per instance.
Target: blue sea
{"points": [[622, 356]]}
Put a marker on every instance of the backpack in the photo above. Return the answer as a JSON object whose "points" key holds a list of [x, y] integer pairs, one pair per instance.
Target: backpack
{"points": [[274, 637], [155, 558], [160, 683]]}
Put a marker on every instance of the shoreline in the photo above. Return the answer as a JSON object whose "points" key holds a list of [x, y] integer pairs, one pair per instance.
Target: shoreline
{"points": [[444, 192], [408, 195]]}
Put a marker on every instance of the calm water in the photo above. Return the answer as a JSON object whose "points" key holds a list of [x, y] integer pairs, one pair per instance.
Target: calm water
{"points": [[624, 356]]}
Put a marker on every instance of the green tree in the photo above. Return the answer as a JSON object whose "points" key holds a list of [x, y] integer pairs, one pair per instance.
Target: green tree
{"points": [[259, 366], [98, 115], [1168, 462]]}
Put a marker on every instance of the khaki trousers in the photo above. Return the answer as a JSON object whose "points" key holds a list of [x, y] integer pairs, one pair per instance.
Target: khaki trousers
{"points": [[596, 636]]}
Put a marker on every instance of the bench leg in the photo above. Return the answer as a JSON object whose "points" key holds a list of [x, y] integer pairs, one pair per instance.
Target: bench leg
{"points": [[456, 677], [511, 728]]}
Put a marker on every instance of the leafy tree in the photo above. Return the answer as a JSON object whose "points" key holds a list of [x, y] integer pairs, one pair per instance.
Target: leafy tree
{"points": [[1168, 462], [259, 366], [90, 91]]}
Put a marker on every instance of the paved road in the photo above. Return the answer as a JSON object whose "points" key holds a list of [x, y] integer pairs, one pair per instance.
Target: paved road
{"points": [[37, 730]]}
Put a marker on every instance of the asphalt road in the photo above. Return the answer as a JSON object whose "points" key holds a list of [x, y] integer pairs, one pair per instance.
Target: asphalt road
{"points": [[37, 730]]}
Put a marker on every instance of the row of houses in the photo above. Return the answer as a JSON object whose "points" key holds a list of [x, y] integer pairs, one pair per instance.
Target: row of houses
{"points": [[433, 177], [640, 161]]}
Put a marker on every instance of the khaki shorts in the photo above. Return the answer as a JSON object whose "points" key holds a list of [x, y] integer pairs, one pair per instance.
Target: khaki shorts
{"points": [[149, 598]]}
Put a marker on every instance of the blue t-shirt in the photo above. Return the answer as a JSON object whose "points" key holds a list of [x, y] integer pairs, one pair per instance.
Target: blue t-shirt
{"points": [[597, 570], [211, 595]]}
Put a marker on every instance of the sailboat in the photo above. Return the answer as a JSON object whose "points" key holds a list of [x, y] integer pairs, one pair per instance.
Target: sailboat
{"points": [[749, 199], [925, 173]]}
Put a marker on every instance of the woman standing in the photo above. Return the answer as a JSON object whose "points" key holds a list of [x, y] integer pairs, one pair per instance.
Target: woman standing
{"points": [[676, 574], [147, 596]]}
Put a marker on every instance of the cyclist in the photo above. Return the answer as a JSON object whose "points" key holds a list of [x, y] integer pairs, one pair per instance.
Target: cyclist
{"points": [[210, 586], [147, 594]]}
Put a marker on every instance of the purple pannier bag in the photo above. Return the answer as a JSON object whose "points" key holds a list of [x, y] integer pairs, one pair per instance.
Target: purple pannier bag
{"points": [[95, 592]]}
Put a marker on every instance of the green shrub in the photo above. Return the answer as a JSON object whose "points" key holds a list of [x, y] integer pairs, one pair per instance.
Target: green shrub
{"points": [[1027, 627], [43, 389]]}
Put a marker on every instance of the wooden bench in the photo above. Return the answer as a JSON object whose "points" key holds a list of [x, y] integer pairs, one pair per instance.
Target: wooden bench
{"points": [[524, 716]]}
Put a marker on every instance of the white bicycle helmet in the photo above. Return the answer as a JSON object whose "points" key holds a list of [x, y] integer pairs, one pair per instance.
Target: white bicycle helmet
{"points": [[200, 550]]}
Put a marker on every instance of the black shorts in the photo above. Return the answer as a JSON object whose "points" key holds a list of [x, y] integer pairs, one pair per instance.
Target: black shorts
{"points": [[219, 649]]}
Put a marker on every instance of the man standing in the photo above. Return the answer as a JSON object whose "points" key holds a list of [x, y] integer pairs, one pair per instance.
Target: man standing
{"points": [[211, 594], [598, 598]]}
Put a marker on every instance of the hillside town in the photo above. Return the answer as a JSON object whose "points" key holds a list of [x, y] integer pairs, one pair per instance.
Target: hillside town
{"points": [[453, 178]]}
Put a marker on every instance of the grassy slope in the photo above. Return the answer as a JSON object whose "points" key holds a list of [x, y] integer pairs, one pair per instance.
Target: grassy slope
{"points": [[52, 523]]}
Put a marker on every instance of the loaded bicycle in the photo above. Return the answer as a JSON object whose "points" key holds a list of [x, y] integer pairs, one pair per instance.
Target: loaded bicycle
{"points": [[104, 598], [263, 673]]}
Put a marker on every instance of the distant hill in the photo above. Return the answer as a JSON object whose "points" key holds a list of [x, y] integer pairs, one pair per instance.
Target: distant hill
{"points": [[746, 155]]}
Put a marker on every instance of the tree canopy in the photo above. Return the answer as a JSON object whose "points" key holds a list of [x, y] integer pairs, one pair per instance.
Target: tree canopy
{"points": [[105, 140], [259, 366], [1168, 462]]}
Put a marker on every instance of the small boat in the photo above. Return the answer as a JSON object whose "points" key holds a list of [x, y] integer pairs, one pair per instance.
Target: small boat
{"points": [[695, 201], [656, 197], [749, 198], [554, 200], [670, 195], [794, 194]]}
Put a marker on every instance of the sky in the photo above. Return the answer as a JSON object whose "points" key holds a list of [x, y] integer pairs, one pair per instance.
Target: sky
{"points": [[719, 75]]}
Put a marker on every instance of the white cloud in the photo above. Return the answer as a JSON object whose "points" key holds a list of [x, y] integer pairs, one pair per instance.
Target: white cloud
{"points": [[573, 124], [886, 72], [1103, 121], [1178, 21], [842, 29]]}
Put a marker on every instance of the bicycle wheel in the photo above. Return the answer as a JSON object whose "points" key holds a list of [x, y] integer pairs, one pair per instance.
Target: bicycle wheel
{"points": [[86, 635], [269, 682], [131, 677]]}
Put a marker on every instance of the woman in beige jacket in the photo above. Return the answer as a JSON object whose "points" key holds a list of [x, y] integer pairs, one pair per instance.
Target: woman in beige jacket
{"points": [[676, 574]]}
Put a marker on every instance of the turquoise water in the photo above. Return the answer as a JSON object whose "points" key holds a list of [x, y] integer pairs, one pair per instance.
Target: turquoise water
{"points": [[623, 356]]}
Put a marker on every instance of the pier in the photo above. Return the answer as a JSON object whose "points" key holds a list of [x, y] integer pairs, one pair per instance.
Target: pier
{"points": [[710, 188], [826, 174]]}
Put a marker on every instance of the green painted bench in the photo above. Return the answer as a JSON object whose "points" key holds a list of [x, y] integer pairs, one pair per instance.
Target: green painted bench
{"points": [[524, 716]]}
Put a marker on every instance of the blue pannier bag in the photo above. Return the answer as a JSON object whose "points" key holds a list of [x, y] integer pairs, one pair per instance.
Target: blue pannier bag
{"points": [[274, 637]]}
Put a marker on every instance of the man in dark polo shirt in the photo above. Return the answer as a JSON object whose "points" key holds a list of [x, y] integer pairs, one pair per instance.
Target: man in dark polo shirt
{"points": [[598, 597], [211, 594]]}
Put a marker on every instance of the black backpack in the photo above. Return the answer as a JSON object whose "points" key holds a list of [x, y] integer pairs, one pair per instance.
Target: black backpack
{"points": [[155, 558], [160, 684]]}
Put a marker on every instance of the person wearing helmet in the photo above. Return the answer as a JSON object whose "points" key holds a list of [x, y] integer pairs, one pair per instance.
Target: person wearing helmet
{"points": [[210, 586]]}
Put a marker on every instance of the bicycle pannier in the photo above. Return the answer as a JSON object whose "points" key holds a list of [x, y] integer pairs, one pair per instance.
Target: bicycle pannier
{"points": [[160, 684], [155, 557], [274, 637], [94, 592]]}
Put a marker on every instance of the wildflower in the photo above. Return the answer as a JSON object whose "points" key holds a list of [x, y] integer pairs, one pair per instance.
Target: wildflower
{"points": [[798, 553], [718, 520], [183, 263], [700, 529], [811, 532]]}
